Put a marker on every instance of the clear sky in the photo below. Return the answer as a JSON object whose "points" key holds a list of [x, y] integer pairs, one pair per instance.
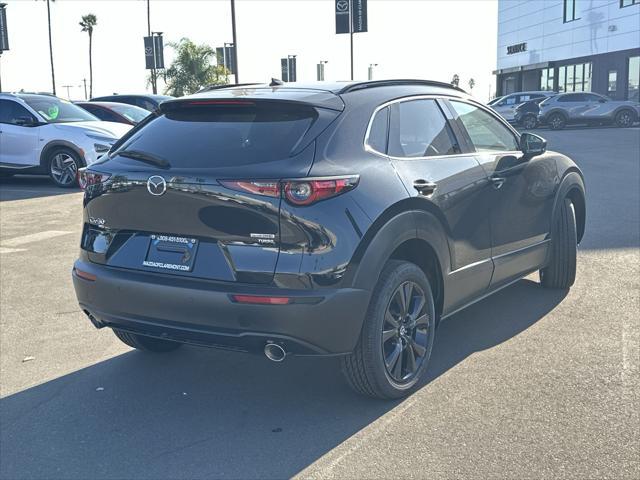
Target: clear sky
{"points": [[430, 39]]}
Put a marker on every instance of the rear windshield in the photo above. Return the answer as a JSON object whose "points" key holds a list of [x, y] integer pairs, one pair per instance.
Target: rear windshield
{"points": [[217, 136]]}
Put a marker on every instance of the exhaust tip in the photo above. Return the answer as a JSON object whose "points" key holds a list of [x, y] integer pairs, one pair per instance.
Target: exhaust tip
{"points": [[274, 352]]}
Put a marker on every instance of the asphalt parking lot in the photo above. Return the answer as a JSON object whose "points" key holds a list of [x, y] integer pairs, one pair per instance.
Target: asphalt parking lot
{"points": [[529, 383]]}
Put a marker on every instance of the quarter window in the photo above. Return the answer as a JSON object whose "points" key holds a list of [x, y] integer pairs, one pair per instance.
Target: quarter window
{"points": [[377, 139], [485, 131], [419, 129]]}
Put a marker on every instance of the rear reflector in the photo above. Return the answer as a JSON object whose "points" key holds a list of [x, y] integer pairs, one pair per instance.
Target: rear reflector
{"points": [[85, 275], [259, 300]]}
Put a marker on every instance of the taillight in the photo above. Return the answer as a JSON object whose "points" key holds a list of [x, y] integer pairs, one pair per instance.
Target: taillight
{"points": [[87, 178], [311, 191], [269, 188], [297, 192]]}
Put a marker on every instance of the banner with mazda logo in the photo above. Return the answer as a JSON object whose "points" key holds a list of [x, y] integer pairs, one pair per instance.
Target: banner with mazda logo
{"points": [[358, 10]]}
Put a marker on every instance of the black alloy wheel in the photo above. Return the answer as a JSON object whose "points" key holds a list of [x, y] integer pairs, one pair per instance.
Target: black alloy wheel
{"points": [[405, 332]]}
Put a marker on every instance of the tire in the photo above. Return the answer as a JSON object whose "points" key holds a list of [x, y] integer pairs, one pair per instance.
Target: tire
{"points": [[624, 118], [529, 122], [62, 167], [561, 270], [370, 369], [147, 344], [557, 121]]}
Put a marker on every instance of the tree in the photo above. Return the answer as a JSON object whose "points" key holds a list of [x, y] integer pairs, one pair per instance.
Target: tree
{"points": [[53, 75], [87, 23], [472, 83], [193, 69], [455, 81]]}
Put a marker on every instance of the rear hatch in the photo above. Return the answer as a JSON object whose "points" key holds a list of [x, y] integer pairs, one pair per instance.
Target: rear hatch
{"points": [[195, 192]]}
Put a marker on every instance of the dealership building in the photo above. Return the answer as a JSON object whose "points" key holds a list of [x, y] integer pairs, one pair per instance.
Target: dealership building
{"points": [[569, 45]]}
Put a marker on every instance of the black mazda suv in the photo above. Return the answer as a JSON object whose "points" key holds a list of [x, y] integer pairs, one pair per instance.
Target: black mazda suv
{"points": [[342, 219]]}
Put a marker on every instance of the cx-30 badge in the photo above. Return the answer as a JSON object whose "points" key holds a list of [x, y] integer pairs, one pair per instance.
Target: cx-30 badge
{"points": [[156, 185]]}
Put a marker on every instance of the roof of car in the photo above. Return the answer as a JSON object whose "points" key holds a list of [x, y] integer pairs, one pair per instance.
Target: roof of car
{"points": [[107, 104], [140, 95], [337, 87], [321, 94]]}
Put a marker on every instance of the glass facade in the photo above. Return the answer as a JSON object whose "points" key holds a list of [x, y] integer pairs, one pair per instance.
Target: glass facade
{"points": [[612, 84], [634, 78], [546, 79], [574, 78]]}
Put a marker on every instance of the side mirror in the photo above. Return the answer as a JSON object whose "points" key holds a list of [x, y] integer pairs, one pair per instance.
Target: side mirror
{"points": [[531, 144], [25, 121]]}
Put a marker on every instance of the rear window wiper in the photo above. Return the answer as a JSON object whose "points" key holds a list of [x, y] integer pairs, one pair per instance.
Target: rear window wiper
{"points": [[144, 157]]}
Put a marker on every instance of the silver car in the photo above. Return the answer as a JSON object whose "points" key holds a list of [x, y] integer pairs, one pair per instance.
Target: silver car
{"points": [[506, 106], [587, 109]]}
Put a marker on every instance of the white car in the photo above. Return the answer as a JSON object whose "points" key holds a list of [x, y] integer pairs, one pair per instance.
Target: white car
{"points": [[506, 106], [41, 133]]}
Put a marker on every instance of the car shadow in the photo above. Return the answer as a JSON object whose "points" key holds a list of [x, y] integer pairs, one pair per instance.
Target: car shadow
{"points": [[21, 187], [204, 413]]}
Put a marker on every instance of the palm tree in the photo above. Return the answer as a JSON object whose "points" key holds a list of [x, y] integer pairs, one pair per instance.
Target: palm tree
{"points": [[87, 23], [193, 69], [53, 75], [472, 83]]}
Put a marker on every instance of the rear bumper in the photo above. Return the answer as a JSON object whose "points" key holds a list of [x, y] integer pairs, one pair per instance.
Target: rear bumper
{"points": [[317, 322]]}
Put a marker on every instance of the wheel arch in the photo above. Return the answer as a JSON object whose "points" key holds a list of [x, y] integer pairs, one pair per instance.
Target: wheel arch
{"points": [[412, 230], [52, 145], [572, 187]]}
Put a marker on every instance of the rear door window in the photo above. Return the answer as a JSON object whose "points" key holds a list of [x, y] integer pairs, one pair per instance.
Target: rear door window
{"points": [[418, 128], [225, 135]]}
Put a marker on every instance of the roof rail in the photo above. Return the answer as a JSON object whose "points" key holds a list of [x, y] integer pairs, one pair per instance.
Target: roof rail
{"points": [[209, 88], [390, 83]]}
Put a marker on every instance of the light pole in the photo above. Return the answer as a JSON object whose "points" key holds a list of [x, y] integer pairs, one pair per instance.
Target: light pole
{"points": [[154, 87], [320, 70], [370, 74], [3, 34], [235, 41]]}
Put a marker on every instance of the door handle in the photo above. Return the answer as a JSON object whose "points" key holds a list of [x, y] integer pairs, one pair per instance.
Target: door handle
{"points": [[424, 187], [498, 181]]}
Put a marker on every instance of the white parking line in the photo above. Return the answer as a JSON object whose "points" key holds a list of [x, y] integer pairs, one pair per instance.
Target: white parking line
{"points": [[11, 250], [33, 237]]}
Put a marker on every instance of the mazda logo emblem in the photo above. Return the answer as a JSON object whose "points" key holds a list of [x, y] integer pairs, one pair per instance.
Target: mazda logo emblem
{"points": [[156, 185]]}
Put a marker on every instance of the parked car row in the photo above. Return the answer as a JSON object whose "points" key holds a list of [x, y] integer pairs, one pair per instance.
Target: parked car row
{"points": [[44, 134], [531, 109]]}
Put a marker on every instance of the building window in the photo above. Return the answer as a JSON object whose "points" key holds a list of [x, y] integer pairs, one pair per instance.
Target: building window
{"points": [[574, 78], [628, 3], [612, 84], [634, 79], [546, 79], [570, 11]]}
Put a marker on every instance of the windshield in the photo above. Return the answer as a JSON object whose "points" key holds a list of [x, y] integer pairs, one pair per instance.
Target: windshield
{"points": [[56, 110], [132, 113], [224, 135], [494, 101]]}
